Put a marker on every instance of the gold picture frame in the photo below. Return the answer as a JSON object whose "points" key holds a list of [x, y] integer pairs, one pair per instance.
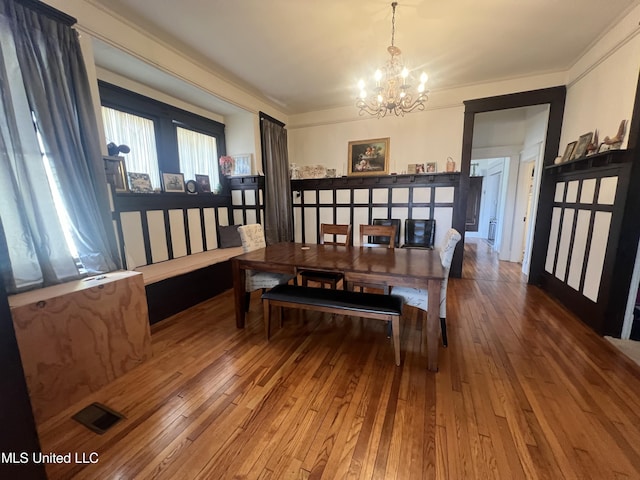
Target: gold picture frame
{"points": [[116, 172], [368, 157]]}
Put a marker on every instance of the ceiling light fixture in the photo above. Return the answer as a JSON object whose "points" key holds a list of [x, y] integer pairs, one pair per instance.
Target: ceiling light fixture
{"points": [[393, 91]]}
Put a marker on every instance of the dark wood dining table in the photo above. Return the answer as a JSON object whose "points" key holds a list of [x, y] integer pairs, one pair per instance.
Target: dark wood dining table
{"points": [[395, 267]]}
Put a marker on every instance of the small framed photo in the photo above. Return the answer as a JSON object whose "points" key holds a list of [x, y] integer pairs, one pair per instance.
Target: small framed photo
{"points": [[581, 147], [568, 151], [140, 183], [368, 157], [173, 182], [116, 172], [432, 167], [242, 164], [204, 185]]}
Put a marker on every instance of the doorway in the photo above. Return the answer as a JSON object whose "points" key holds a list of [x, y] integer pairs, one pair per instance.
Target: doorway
{"points": [[554, 99]]}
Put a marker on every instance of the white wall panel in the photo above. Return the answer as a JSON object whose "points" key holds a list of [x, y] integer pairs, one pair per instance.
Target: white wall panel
{"points": [[343, 196], [326, 215], [326, 196], [133, 240], [251, 217], [236, 197], [297, 221], [380, 195], [572, 191], [401, 213], [587, 195], [579, 249], [237, 217], [422, 195], [310, 221], [310, 196], [360, 216], [565, 241], [178, 239], [596, 255], [223, 216], [157, 236], [421, 213], [210, 228], [360, 195], [444, 194], [607, 193], [250, 197], [559, 195], [343, 215], [195, 230], [400, 195], [553, 239]]}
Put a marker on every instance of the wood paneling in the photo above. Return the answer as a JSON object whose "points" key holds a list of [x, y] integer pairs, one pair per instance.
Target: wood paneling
{"points": [[77, 337], [524, 390]]}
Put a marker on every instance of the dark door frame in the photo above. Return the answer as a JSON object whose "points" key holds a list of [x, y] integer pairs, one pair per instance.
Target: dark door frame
{"points": [[555, 97]]}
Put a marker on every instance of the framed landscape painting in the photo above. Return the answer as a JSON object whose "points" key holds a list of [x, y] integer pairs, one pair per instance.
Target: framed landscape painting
{"points": [[368, 157]]}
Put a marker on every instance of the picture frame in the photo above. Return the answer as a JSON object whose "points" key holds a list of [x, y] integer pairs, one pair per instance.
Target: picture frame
{"points": [[116, 172], [204, 184], [242, 164], [368, 157], [432, 167], [580, 149], [140, 183], [173, 182], [568, 151]]}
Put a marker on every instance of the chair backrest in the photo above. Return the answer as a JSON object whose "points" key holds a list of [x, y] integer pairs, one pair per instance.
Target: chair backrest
{"points": [[419, 233], [368, 234], [252, 237], [334, 230], [451, 239], [387, 222]]}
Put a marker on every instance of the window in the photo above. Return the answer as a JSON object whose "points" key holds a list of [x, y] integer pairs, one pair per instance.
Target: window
{"points": [[198, 155], [162, 138], [138, 134]]}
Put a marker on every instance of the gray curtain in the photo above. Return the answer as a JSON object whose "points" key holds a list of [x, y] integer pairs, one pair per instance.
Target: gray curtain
{"points": [[44, 81], [278, 225]]}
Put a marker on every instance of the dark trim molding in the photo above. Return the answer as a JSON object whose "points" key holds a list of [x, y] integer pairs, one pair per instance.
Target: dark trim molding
{"points": [[555, 97], [264, 116]]}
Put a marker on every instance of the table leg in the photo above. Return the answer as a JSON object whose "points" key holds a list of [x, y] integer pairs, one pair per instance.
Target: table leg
{"points": [[433, 324], [238, 291]]}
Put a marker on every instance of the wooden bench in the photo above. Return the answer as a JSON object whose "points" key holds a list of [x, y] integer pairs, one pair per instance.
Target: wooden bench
{"points": [[177, 284], [341, 302]]}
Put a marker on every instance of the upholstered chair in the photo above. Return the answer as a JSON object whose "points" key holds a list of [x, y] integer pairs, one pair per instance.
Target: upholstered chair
{"points": [[419, 298], [252, 237]]}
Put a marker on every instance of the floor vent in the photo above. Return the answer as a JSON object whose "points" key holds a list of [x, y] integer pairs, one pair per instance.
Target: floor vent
{"points": [[98, 418]]}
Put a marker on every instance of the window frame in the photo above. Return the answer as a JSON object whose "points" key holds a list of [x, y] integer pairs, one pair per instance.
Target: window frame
{"points": [[165, 120]]}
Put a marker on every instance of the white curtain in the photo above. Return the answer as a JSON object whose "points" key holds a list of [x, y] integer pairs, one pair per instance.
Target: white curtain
{"points": [[139, 135], [198, 156]]}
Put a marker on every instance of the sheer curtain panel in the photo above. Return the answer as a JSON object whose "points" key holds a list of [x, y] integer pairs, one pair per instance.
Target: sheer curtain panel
{"points": [[44, 83]]}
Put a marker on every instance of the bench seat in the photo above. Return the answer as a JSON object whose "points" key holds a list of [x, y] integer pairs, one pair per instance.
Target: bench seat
{"points": [[342, 302]]}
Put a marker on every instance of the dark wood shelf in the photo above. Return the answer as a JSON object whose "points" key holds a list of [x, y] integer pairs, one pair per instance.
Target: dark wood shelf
{"points": [[597, 160]]}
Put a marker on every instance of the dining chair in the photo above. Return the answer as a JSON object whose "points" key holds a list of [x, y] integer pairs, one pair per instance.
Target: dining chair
{"points": [[252, 237], [368, 236], [418, 297], [419, 233], [388, 222], [335, 231]]}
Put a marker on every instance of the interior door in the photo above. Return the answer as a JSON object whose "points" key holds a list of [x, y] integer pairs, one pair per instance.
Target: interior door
{"points": [[473, 204]]}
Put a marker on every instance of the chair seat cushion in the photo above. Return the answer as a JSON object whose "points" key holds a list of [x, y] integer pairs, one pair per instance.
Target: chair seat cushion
{"points": [[346, 300], [256, 280], [415, 297]]}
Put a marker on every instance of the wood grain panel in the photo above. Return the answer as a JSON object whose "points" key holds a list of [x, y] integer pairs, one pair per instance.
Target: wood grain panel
{"points": [[78, 337]]}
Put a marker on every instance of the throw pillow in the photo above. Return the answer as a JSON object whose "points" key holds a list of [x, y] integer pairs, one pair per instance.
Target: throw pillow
{"points": [[229, 236]]}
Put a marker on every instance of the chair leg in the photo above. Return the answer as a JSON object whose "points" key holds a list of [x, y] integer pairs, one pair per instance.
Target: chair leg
{"points": [[395, 321], [247, 301], [443, 329], [267, 318]]}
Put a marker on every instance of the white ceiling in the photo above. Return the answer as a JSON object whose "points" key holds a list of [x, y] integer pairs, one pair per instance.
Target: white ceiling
{"points": [[308, 55]]}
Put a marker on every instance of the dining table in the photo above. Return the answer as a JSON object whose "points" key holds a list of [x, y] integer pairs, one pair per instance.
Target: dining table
{"points": [[407, 267]]}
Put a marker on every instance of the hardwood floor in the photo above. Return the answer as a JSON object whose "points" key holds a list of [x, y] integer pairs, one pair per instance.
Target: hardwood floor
{"points": [[524, 390]]}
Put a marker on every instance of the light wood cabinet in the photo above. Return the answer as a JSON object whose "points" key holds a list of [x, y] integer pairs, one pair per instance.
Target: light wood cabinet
{"points": [[76, 337]]}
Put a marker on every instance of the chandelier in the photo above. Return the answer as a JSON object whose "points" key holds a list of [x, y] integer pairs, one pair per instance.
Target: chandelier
{"points": [[393, 91]]}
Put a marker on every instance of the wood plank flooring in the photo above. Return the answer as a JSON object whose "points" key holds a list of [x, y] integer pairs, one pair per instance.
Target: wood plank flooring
{"points": [[525, 390]]}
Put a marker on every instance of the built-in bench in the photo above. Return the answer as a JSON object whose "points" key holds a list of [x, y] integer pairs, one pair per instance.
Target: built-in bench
{"points": [[177, 284], [341, 302]]}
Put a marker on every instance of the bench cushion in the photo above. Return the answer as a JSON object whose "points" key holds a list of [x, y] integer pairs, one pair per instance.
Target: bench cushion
{"points": [[346, 300]]}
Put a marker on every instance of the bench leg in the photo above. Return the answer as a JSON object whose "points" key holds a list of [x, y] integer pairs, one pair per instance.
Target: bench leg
{"points": [[395, 324], [267, 317]]}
